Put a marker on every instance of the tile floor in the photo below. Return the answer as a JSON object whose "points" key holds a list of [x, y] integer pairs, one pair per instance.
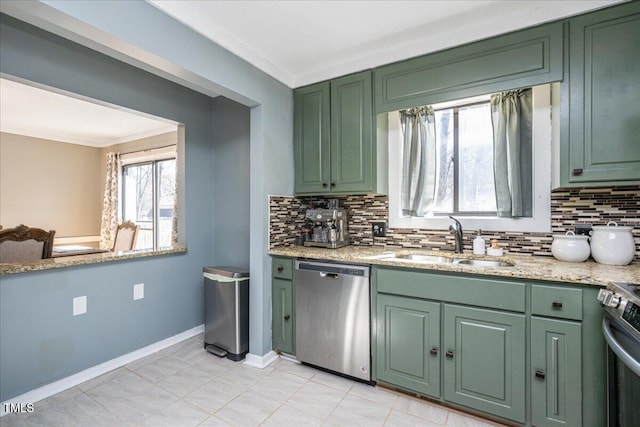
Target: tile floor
{"points": [[184, 385]]}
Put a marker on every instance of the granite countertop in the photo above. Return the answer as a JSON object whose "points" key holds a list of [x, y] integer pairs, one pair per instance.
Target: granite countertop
{"points": [[525, 267], [70, 261]]}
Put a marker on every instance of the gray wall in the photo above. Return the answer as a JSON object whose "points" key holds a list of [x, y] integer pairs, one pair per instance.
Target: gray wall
{"points": [[231, 130], [41, 341], [139, 34]]}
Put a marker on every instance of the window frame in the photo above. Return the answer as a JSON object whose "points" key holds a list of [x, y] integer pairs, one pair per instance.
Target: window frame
{"points": [[152, 157], [542, 143]]}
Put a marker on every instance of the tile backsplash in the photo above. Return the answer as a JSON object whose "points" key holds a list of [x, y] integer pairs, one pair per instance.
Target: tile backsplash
{"points": [[569, 208]]}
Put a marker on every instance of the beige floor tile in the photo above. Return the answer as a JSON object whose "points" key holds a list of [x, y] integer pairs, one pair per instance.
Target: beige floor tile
{"points": [[181, 413], [378, 395], [288, 416], [356, 411], [422, 409], [316, 399], [248, 409], [161, 368], [279, 385], [402, 419], [333, 380]]}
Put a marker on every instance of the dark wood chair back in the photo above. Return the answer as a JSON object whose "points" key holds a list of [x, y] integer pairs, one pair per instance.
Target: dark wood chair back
{"points": [[23, 244]]}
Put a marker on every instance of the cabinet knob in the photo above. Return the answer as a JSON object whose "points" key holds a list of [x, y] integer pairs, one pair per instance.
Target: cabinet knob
{"points": [[434, 351], [280, 269], [287, 317], [324, 185], [540, 375], [577, 171], [333, 184], [556, 304], [449, 354]]}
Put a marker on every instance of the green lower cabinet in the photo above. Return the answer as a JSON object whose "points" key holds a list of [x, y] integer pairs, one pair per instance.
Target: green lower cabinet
{"points": [[283, 316], [408, 341], [556, 373], [484, 364]]}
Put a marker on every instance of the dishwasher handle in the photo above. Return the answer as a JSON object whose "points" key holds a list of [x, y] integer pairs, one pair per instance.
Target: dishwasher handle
{"points": [[333, 270]]}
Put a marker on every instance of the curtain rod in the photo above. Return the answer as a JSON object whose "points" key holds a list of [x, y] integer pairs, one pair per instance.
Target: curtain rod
{"points": [[150, 149]]}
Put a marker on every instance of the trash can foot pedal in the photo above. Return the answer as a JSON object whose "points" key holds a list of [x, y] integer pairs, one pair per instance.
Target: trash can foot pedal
{"points": [[215, 350]]}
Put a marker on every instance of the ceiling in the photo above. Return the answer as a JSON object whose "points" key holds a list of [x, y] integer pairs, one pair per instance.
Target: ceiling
{"points": [[302, 42], [296, 42], [39, 113]]}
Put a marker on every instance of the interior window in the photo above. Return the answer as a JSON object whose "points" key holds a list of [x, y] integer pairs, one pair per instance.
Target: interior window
{"points": [[462, 179], [148, 199]]}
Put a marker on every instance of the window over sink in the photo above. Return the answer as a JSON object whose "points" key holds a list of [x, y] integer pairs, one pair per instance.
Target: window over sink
{"points": [[458, 177]]}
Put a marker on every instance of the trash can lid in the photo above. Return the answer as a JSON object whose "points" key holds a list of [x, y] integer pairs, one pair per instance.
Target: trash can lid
{"points": [[227, 271]]}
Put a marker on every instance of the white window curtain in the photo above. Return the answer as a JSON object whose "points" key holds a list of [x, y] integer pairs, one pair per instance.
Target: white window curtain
{"points": [[418, 161], [109, 222], [511, 114]]}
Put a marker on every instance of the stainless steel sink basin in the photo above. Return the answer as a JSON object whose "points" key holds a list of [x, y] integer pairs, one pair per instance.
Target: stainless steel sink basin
{"points": [[483, 263], [435, 259], [425, 259]]}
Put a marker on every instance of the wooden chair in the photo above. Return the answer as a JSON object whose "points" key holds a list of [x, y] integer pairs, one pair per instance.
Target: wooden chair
{"points": [[24, 244], [126, 236]]}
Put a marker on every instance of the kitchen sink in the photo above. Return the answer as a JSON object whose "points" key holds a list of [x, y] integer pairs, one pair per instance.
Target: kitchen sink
{"points": [[425, 259], [435, 259], [482, 263]]}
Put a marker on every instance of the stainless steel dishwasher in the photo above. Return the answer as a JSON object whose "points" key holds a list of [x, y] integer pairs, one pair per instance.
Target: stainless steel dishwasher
{"points": [[333, 317]]}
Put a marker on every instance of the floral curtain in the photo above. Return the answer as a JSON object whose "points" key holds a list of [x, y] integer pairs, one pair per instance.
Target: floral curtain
{"points": [[418, 161], [109, 222], [511, 114], [174, 220]]}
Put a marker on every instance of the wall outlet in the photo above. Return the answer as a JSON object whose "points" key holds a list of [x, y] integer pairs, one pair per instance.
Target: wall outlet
{"points": [[583, 230], [379, 229], [138, 291], [79, 305]]}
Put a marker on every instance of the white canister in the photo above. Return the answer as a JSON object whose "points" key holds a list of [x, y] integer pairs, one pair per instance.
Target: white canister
{"points": [[612, 244], [570, 248]]}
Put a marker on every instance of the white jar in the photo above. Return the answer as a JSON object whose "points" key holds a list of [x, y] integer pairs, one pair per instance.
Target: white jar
{"points": [[612, 245], [570, 248]]}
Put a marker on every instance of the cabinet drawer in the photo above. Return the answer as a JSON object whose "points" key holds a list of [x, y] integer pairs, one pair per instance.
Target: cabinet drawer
{"points": [[282, 268], [481, 292], [554, 301]]}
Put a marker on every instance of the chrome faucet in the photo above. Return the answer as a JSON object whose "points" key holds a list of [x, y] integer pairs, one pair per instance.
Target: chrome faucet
{"points": [[457, 231]]}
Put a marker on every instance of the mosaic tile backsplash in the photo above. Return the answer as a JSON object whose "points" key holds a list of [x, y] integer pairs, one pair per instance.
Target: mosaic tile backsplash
{"points": [[569, 208]]}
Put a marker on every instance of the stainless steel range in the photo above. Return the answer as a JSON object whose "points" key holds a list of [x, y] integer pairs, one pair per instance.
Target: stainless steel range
{"points": [[621, 329]]}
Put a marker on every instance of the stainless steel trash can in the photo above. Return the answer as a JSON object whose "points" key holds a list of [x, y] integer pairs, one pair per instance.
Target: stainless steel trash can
{"points": [[226, 311]]}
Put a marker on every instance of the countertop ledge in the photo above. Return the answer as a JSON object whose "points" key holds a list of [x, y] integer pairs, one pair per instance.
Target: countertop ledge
{"points": [[70, 261], [526, 267]]}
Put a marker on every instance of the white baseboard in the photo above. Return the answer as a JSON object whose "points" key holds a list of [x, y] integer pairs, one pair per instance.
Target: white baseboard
{"points": [[95, 371], [261, 361]]}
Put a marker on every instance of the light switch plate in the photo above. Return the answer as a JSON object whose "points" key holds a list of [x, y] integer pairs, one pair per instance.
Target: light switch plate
{"points": [[79, 305], [138, 291]]}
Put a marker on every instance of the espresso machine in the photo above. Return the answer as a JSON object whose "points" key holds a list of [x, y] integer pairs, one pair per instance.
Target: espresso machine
{"points": [[328, 225]]}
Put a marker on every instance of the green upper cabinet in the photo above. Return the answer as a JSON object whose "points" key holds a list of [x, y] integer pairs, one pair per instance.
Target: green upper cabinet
{"points": [[335, 146], [524, 58], [312, 136], [604, 92]]}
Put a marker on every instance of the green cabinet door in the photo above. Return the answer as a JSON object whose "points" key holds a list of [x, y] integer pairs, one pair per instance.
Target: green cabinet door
{"points": [[408, 343], [604, 89], [335, 147], [312, 128], [484, 363], [556, 373], [352, 145], [283, 322]]}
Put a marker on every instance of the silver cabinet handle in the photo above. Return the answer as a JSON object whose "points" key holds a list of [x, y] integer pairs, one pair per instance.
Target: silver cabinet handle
{"points": [[329, 275], [626, 358]]}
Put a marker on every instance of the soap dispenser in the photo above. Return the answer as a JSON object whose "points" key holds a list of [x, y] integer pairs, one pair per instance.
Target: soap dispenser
{"points": [[478, 244]]}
